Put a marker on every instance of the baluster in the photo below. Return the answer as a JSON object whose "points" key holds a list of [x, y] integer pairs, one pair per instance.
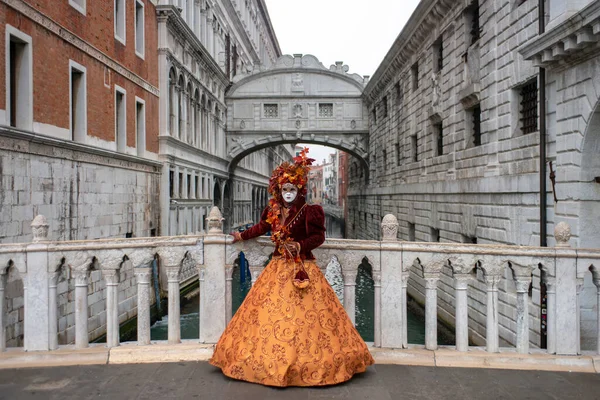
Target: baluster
{"points": [[377, 316], [522, 285], [201, 300], [350, 292], [3, 273], [431, 281], [52, 311], [491, 327], [142, 276], [174, 308], [596, 279], [229, 291], [551, 314], [404, 309], [111, 277], [461, 283], [81, 275]]}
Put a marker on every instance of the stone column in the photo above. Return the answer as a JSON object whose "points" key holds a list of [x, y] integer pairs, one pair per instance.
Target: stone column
{"points": [[176, 105], [579, 288], [229, 292], [111, 277], [81, 275], [596, 279], [174, 306], [522, 285], [3, 273], [431, 281], [377, 316], [491, 327], [551, 314], [213, 316], [350, 291], [176, 189], [461, 284], [404, 308], [201, 300], [52, 311], [142, 276]]}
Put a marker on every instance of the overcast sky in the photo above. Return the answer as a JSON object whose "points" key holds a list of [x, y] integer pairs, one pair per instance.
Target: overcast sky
{"points": [[359, 33]]}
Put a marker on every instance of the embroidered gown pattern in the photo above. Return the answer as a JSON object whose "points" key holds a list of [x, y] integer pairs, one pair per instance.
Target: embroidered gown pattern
{"points": [[285, 336]]}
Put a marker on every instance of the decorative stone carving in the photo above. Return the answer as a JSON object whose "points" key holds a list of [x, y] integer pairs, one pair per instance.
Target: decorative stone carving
{"points": [[298, 124], [142, 275], [215, 221], [39, 228], [242, 124], [297, 83], [173, 273], [172, 256], [389, 228], [353, 124], [562, 234], [297, 111]]}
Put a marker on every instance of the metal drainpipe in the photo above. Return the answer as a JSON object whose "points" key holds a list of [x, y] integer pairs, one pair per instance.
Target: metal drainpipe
{"points": [[542, 79]]}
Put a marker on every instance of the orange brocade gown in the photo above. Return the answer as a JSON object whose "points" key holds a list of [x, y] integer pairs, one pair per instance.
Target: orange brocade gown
{"points": [[284, 336]]}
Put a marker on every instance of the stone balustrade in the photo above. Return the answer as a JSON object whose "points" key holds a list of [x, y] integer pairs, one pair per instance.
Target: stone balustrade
{"points": [[397, 267]]}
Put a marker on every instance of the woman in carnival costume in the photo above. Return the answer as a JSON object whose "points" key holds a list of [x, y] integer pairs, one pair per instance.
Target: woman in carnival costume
{"points": [[291, 329]]}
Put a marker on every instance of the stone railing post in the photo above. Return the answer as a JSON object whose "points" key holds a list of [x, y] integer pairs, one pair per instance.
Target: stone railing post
{"points": [[404, 308], [349, 277], [390, 300], [491, 326], [431, 281], [81, 274], [551, 314], [522, 286], [567, 299], [142, 276], [229, 291], [174, 308], [3, 273], [54, 274], [596, 279], [461, 284], [377, 313], [213, 314], [36, 282], [110, 265]]}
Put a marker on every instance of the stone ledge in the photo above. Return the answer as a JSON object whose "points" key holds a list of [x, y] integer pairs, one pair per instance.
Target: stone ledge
{"points": [[131, 353], [415, 355], [64, 356]]}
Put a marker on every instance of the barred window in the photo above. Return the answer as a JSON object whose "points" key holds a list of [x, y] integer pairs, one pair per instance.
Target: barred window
{"points": [[529, 107], [326, 110], [439, 138], [384, 107], [415, 76], [473, 19], [271, 111], [438, 55], [476, 121], [399, 94]]}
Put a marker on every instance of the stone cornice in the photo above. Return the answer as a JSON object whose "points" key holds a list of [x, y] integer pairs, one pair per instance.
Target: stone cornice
{"points": [[574, 37], [99, 156], [422, 22], [178, 26], [267, 19], [36, 16]]}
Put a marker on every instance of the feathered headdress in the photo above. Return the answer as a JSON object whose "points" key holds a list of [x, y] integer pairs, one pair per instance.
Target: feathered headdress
{"points": [[295, 173]]}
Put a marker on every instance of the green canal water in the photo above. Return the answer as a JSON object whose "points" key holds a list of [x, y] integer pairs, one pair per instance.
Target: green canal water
{"points": [[365, 308]]}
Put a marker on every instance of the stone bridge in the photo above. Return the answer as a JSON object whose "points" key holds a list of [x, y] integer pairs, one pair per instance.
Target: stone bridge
{"points": [[298, 100]]}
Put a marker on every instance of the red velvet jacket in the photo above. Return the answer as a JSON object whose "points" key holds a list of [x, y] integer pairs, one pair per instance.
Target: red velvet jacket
{"points": [[307, 227]]}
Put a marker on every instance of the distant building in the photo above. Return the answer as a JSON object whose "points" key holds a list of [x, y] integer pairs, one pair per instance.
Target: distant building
{"points": [[315, 185]]}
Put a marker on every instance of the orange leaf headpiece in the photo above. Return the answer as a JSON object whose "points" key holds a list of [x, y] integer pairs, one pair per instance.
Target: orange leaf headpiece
{"points": [[295, 173]]}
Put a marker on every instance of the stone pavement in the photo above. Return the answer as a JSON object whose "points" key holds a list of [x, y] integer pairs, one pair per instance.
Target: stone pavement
{"points": [[199, 380]]}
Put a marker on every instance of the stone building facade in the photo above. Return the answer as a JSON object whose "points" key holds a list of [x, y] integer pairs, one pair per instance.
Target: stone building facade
{"points": [[455, 134], [202, 46]]}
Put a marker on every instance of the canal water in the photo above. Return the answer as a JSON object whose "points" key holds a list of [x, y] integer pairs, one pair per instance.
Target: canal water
{"points": [[365, 308]]}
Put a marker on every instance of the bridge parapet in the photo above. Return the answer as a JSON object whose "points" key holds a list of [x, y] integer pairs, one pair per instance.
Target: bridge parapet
{"points": [[492, 281]]}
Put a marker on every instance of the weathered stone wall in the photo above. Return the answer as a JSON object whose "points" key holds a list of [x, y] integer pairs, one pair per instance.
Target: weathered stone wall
{"points": [[84, 194]]}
